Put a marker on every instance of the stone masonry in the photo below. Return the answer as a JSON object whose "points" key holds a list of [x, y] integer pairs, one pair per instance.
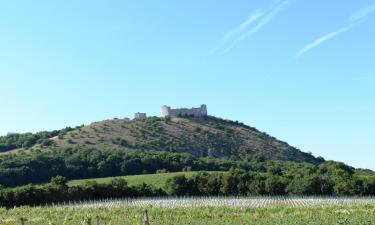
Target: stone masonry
{"points": [[139, 115], [166, 111]]}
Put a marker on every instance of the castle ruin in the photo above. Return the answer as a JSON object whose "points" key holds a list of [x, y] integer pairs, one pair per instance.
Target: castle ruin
{"points": [[166, 111], [139, 115]]}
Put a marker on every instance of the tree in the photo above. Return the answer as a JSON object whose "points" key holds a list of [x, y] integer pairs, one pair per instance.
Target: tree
{"points": [[59, 181], [275, 185], [178, 186], [305, 185], [229, 184], [257, 185]]}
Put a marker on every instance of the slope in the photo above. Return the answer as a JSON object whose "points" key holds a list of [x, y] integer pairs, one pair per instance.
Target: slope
{"points": [[201, 137]]}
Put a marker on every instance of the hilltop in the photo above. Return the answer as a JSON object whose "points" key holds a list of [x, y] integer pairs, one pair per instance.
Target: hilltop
{"points": [[200, 136]]}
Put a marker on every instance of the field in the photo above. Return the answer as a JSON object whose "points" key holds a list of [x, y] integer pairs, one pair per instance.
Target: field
{"points": [[157, 180], [234, 202], [209, 211], [281, 215]]}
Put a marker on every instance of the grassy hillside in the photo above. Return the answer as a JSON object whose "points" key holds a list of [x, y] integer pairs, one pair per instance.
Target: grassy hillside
{"points": [[157, 180], [201, 137]]}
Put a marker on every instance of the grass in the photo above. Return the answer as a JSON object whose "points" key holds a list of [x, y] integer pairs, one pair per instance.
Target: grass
{"points": [[188, 135], [157, 180], [330, 215]]}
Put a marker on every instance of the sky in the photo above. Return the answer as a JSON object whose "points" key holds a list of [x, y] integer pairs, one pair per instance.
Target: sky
{"points": [[302, 71]]}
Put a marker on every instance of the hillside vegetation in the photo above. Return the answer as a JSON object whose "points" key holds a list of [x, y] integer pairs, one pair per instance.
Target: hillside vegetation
{"points": [[201, 137], [157, 180], [40, 166], [329, 178]]}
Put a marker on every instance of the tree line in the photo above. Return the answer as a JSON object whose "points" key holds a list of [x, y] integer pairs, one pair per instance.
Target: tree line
{"points": [[75, 163], [284, 177], [57, 191], [327, 179], [27, 140]]}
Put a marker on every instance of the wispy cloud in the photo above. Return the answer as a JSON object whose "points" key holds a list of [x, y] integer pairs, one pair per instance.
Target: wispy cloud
{"points": [[354, 20], [238, 30], [259, 19], [243, 26], [323, 39], [362, 13], [265, 20]]}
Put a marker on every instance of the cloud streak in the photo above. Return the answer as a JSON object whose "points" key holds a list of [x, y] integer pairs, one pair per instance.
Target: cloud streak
{"points": [[362, 13], [246, 29], [265, 20], [354, 20], [238, 30], [323, 39], [243, 26]]}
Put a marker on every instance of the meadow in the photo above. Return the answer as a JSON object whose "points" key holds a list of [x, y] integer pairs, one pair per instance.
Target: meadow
{"points": [[357, 214], [157, 180]]}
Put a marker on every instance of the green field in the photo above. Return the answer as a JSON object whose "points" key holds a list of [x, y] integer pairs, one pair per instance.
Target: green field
{"points": [[330, 215], [157, 180]]}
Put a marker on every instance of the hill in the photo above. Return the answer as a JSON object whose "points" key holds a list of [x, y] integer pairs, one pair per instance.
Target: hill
{"points": [[201, 137]]}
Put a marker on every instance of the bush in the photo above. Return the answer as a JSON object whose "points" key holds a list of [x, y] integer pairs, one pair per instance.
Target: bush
{"points": [[162, 171]]}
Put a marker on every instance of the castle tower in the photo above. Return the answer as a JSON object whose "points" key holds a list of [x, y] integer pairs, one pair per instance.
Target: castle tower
{"points": [[165, 111], [204, 110], [139, 115]]}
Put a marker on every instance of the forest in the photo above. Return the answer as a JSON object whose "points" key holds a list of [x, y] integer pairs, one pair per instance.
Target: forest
{"points": [[254, 176]]}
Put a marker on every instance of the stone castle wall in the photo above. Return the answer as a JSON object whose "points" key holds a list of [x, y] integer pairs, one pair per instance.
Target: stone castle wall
{"points": [[166, 111], [139, 115]]}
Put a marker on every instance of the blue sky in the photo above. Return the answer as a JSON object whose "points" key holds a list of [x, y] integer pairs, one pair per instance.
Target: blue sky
{"points": [[302, 71]]}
